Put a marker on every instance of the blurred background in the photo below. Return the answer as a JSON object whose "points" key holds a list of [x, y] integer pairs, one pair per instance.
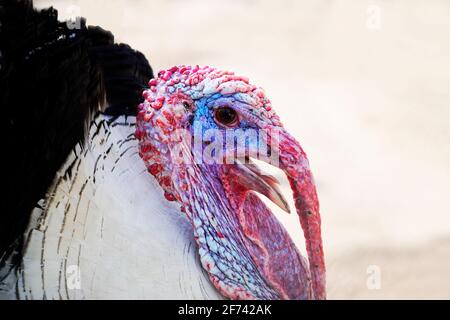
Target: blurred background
{"points": [[363, 85]]}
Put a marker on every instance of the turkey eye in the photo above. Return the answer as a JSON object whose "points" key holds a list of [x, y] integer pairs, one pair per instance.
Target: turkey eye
{"points": [[186, 105], [226, 116]]}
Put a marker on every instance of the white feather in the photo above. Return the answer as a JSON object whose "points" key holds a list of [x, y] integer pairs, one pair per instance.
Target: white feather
{"points": [[109, 224]]}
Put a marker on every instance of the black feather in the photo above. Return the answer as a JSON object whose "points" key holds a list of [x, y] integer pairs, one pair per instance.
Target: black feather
{"points": [[52, 81]]}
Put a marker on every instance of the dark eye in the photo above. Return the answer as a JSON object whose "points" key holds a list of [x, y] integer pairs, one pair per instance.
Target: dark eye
{"points": [[226, 116]]}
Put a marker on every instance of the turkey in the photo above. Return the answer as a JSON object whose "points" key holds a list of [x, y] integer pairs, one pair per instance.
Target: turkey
{"points": [[122, 184]]}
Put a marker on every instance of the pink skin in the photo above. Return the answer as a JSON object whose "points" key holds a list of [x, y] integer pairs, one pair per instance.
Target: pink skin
{"points": [[245, 250]]}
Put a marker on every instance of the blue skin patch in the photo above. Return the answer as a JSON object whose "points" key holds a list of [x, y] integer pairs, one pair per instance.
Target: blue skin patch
{"points": [[204, 120]]}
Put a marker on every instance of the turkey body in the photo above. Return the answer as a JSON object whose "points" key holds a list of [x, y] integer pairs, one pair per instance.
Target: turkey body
{"points": [[80, 217]]}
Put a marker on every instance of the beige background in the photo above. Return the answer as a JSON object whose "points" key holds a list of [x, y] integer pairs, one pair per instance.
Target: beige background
{"points": [[364, 86]]}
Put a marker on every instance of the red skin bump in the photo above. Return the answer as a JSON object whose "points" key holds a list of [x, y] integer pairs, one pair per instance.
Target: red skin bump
{"points": [[169, 196], [166, 181], [155, 168], [159, 102], [148, 116], [166, 75], [157, 105], [219, 234], [173, 69], [160, 123], [147, 156], [139, 134], [169, 117], [146, 148], [140, 114], [182, 174]]}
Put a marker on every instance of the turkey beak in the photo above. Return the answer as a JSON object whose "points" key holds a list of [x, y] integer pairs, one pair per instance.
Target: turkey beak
{"points": [[251, 177]]}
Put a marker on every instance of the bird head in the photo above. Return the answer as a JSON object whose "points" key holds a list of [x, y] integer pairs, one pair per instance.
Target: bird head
{"points": [[199, 129]]}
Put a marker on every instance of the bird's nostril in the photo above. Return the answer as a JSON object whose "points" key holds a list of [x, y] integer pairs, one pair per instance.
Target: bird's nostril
{"points": [[191, 119]]}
